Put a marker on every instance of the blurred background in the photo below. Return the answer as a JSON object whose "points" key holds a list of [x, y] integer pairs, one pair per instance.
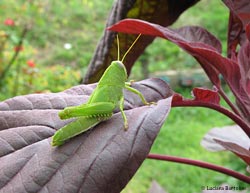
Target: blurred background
{"points": [[46, 46]]}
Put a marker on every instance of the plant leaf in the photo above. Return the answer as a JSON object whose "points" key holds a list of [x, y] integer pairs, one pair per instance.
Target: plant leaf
{"points": [[202, 97], [238, 19], [206, 95], [103, 159], [200, 46], [241, 152], [233, 134], [191, 38], [248, 31], [244, 65]]}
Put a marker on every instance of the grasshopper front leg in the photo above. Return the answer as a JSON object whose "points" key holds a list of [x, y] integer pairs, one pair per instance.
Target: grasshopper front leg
{"points": [[128, 87]]}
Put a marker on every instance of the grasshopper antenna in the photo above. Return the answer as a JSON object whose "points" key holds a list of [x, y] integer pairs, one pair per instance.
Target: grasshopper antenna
{"points": [[118, 47], [130, 48]]}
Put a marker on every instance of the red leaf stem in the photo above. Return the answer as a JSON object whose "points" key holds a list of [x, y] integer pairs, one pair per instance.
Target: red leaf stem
{"points": [[237, 119], [201, 164], [232, 106]]}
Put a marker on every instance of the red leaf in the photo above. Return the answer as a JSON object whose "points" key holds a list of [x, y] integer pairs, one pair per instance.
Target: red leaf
{"points": [[203, 46], [248, 31], [244, 64], [206, 95], [239, 17], [202, 97], [188, 38], [177, 98], [244, 90], [240, 9]]}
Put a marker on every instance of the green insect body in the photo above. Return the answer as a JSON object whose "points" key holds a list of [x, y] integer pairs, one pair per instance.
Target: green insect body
{"points": [[107, 96]]}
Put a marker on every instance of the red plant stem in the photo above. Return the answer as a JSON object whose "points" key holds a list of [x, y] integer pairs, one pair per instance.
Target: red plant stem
{"points": [[201, 164], [224, 96], [237, 119]]}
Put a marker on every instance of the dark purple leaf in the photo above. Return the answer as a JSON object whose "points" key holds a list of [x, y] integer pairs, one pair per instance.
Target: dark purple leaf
{"points": [[239, 17], [202, 48], [101, 160], [199, 35], [244, 65], [241, 9], [197, 39]]}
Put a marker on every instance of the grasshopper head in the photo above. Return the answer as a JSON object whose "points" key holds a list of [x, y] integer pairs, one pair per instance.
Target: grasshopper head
{"points": [[116, 73], [119, 64], [119, 69]]}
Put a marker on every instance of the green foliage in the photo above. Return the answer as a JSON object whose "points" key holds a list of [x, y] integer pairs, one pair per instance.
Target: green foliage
{"points": [[28, 79], [51, 26]]}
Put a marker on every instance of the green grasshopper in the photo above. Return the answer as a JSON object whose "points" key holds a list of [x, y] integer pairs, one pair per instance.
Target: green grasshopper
{"points": [[107, 95]]}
